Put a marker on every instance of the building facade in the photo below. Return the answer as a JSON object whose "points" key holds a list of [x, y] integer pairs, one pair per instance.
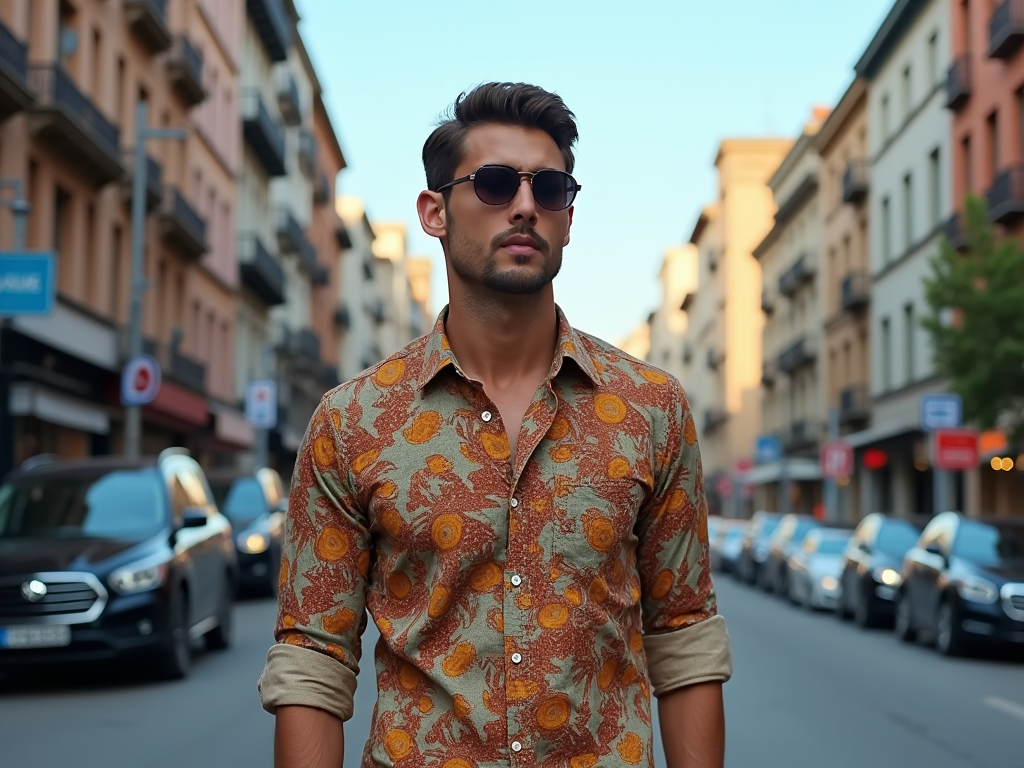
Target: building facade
{"points": [[665, 331]]}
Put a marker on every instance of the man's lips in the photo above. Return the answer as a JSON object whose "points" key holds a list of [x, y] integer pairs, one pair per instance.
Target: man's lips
{"points": [[521, 245]]}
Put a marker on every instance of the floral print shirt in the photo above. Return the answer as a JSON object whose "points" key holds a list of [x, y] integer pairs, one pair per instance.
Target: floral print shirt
{"points": [[514, 600]]}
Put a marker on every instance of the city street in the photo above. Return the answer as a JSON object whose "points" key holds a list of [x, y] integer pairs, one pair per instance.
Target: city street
{"points": [[808, 691]]}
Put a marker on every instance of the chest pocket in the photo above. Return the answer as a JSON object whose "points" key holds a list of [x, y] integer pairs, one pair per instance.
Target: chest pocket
{"points": [[593, 525]]}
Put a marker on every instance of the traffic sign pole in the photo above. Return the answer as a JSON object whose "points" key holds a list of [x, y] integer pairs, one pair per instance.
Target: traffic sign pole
{"points": [[263, 434], [831, 489], [940, 411]]}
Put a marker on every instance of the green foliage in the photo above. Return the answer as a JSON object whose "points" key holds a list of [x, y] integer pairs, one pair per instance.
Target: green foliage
{"points": [[976, 322]]}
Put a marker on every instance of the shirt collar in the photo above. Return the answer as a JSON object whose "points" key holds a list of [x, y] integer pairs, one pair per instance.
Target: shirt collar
{"points": [[438, 355]]}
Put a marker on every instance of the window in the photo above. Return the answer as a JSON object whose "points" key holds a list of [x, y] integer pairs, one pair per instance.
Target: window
{"points": [[97, 66], [886, 231], [934, 189], [88, 256], [908, 343], [992, 129], [61, 211], [965, 159], [906, 93], [933, 59], [908, 212], [885, 117], [886, 356], [117, 243]]}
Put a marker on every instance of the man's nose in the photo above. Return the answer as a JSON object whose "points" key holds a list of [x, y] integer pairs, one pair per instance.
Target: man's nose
{"points": [[523, 205]]}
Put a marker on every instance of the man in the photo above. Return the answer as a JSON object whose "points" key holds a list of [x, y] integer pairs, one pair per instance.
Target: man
{"points": [[518, 505]]}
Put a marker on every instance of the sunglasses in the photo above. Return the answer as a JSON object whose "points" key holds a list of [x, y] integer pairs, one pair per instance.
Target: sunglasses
{"points": [[498, 184]]}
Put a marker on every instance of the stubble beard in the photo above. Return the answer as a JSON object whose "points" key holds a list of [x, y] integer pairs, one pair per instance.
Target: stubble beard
{"points": [[467, 256]]}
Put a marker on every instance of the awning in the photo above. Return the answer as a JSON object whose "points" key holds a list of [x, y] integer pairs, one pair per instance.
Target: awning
{"points": [[878, 434], [57, 408], [230, 426], [796, 469], [187, 406]]}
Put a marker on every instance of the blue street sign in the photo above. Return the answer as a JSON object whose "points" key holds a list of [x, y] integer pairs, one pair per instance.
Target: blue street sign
{"points": [[768, 449], [27, 283], [941, 411]]}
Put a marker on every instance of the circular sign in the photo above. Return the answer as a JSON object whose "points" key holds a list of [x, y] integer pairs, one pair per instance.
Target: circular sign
{"points": [[140, 381]]}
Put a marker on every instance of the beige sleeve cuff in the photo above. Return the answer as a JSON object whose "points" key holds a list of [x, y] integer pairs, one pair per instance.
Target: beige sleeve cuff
{"points": [[306, 678], [699, 653]]}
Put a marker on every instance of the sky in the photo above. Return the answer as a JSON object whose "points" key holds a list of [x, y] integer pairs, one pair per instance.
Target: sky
{"points": [[655, 86]]}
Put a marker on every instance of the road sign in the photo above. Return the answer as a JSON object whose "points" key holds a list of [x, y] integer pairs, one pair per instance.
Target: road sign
{"points": [[261, 403], [768, 449], [723, 485], [943, 411], [26, 283], [955, 449], [836, 460], [140, 381]]}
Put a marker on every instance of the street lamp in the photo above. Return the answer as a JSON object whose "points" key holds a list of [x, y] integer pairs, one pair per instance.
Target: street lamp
{"points": [[133, 413]]}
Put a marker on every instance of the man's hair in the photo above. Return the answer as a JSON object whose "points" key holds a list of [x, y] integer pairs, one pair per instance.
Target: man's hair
{"points": [[517, 104]]}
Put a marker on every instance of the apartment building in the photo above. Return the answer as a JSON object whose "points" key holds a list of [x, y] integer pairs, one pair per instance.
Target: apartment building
{"points": [[845, 281], [663, 334], [909, 145], [792, 384], [72, 75], [638, 341], [985, 94], [722, 342]]}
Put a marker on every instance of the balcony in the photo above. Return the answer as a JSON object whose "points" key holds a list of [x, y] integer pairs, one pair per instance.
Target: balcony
{"points": [[292, 239], [854, 404], [342, 318], [307, 154], [341, 236], [302, 345], [288, 97], [72, 126], [714, 359], [148, 20], [272, 25], [259, 271], [322, 192], [378, 312], [958, 83], [767, 303], [15, 94], [767, 374], [1006, 30], [856, 182], [329, 376], [321, 275], [1006, 196], [154, 185], [801, 435], [182, 225], [174, 365], [793, 278], [263, 134], [954, 232], [185, 71], [855, 290], [713, 419], [796, 355]]}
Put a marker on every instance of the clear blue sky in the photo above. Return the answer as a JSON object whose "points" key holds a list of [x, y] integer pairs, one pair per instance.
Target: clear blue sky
{"points": [[655, 85]]}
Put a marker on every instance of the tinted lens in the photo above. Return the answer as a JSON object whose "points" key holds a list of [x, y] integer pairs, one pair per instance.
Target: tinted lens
{"points": [[554, 190], [496, 184]]}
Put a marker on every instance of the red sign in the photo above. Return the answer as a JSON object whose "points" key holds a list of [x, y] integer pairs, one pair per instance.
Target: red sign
{"points": [[836, 460], [875, 458], [724, 486], [955, 449]]}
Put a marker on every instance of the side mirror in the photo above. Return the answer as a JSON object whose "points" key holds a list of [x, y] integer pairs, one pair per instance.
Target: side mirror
{"points": [[193, 517]]}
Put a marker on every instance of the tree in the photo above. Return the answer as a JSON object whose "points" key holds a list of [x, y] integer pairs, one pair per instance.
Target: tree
{"points": [[976, 323]]}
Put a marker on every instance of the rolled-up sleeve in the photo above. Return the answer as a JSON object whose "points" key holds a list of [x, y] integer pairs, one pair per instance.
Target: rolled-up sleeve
{"points": [[685, 640], [324, 565]]}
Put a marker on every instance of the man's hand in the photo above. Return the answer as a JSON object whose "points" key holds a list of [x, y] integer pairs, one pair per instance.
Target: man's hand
{"points": [[305, 737], [693, 726]]}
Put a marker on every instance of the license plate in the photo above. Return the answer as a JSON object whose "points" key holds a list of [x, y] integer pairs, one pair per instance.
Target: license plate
{"points": [[47, 636]]}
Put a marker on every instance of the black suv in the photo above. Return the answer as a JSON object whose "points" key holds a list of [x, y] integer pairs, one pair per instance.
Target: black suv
{"points": [[108, 558]]}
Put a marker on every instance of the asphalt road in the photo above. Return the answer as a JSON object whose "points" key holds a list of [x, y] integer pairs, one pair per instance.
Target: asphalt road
{"points": [[808, 691]]}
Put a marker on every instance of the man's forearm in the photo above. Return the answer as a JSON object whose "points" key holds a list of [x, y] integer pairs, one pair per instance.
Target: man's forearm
{"points": [[693, 726], [305, 737]]}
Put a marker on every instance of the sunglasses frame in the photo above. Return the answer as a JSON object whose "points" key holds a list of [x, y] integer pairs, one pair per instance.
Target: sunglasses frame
{"points": [[521, 174]]}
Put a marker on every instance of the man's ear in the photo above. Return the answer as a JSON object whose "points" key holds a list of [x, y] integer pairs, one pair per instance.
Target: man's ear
{"points": [[433, 218], [565, 242]]}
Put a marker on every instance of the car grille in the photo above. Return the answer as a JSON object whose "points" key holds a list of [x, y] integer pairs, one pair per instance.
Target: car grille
{"points": [[1013, 601], [69, 599]]}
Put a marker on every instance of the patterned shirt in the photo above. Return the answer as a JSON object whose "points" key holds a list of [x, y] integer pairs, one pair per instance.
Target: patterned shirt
{"points": [[525, 610]]}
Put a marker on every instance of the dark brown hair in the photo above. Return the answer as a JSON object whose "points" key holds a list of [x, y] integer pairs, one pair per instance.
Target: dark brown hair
{"points": [[505, 103]]}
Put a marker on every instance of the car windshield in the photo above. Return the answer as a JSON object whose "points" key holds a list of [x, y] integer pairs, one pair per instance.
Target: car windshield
{"points": [[803, 527], [989, 545], [831, 546], [240, 500], [124, 504], [768, 528], [896, 537]]}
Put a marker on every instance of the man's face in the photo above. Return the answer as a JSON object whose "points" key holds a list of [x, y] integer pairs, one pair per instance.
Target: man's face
{"points": [[514, 248]]}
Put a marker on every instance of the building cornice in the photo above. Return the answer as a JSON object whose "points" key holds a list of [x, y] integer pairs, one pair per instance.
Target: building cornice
{"points": [[889, 35], [849, 107]]}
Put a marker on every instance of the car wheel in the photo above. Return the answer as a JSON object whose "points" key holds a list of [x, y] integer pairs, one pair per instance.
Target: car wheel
{"points": [[863, 616], [176, 655], [949, 638], [905, 630], [219, 637]]}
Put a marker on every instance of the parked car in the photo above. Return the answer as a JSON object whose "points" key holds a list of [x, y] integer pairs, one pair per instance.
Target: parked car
{"points": [[963, 584], [256, 504], [815, 568], [783, 543], [754, 550], [113, 558], [871, 568], [725, 540]]}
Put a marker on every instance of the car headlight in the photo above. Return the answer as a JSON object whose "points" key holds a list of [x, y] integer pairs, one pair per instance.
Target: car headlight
{"points": [[253, 543], [976, 589], [139, 577], [828, 583], [890, 577]]}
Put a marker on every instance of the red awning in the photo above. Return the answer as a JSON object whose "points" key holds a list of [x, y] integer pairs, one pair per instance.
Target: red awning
{"points": [[172, 400]]}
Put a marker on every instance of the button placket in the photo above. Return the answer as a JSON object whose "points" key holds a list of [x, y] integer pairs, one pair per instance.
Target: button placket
{"points": [[517, 658], [516, 746], [486, 416]]}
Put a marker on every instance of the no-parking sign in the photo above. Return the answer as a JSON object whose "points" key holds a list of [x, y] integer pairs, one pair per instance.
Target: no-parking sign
{"points": [[140, 381]]}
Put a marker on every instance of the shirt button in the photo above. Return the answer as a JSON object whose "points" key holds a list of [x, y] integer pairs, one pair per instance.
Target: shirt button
{"points": [[516, 746], [486, 416], [514, 503], [517, 658], [517, 580]]}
